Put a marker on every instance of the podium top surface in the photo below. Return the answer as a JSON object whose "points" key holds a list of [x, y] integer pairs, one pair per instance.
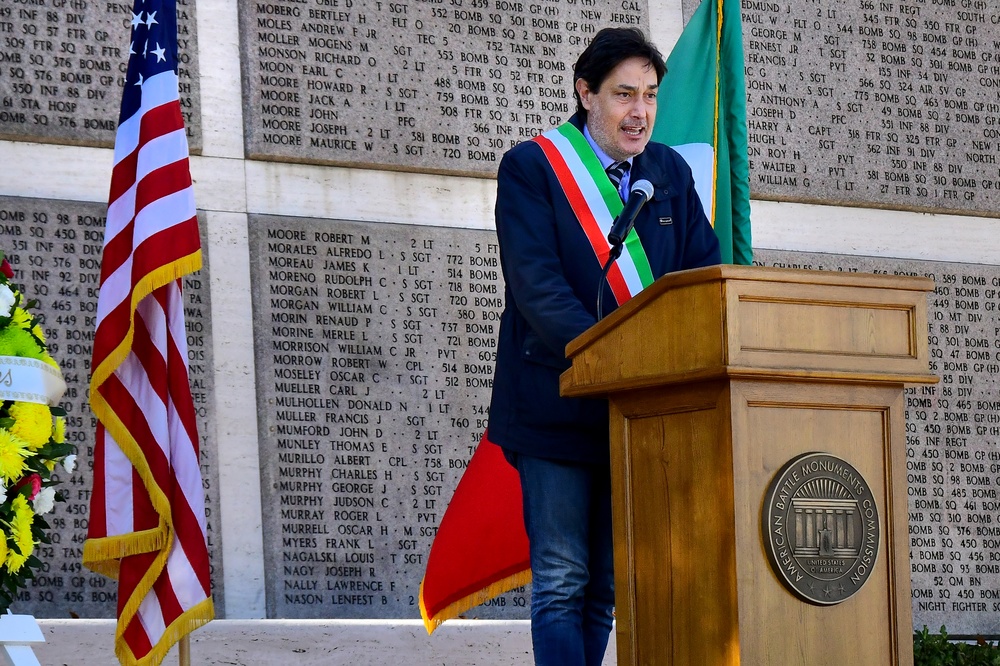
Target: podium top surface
{"points": [[762, 322]]}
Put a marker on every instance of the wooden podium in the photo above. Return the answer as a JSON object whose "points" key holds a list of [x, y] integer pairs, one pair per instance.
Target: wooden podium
{"points": [[717, 378]]}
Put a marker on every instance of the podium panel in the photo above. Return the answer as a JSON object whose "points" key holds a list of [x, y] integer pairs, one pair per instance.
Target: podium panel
{"points": [[864, 426], [675, 561], [758, 464]]}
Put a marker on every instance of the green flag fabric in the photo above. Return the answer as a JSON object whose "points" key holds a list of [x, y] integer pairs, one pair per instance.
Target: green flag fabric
{"points": [[703, 115]]}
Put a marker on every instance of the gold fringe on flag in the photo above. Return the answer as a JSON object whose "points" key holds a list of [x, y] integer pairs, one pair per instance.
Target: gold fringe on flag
{"points": [[456, 608], [197, 616]]}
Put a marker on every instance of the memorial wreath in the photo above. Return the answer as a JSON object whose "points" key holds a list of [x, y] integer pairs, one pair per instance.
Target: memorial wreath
{"points": [[32, 438]]}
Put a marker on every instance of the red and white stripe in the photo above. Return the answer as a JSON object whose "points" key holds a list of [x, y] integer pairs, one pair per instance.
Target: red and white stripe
{"points": [[151, 213], [147, 522]]}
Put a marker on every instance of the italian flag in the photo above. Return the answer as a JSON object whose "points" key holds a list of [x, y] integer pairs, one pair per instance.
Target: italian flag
{"points": [[702, 114]]}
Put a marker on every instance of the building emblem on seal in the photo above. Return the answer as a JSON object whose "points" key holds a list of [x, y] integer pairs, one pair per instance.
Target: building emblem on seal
{"points": [[821, 528]]}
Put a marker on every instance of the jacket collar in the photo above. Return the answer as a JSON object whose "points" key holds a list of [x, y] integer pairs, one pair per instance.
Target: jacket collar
{"points": [[643, 166]]}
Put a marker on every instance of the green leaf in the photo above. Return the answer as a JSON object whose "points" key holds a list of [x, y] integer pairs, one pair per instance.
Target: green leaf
{"points": [[937, 650]]}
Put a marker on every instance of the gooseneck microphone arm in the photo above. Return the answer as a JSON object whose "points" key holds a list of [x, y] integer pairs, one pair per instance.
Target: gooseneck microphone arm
{"points": [[641, 192], [615, 253]]}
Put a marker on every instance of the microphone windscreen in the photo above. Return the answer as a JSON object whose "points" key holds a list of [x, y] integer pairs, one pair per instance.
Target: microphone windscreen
{"points": [[643, 186]]}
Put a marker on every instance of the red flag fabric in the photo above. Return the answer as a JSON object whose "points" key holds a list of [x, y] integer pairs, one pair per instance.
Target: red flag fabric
{"points": [[481, 548], [147, 514]]}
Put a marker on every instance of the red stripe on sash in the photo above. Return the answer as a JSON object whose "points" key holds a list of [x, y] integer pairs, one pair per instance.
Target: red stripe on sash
{"points": [[590, 227]]}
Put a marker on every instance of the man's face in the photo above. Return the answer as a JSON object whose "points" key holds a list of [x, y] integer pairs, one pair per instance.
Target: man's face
{"points": [[620, 114]]}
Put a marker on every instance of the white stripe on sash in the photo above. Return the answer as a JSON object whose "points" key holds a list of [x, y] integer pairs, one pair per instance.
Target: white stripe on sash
{"points": [[597, 205]]}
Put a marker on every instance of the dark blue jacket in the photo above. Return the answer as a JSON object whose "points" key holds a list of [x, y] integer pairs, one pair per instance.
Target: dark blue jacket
{"points": [[551, 275]]}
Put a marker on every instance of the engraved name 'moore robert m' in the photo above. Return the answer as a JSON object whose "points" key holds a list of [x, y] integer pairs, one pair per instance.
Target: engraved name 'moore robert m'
{"points": [[821, 528]]}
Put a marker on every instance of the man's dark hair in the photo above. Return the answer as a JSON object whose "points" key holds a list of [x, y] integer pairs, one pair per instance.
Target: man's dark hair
{"points": [[610, 47]]}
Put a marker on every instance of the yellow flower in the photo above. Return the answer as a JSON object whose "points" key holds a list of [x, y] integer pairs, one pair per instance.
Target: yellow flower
{"points": [[20, 532], [38, 332], [20, 318], [59, 433], [18, 342], [12, 453], [32, 423], [3, 547]]}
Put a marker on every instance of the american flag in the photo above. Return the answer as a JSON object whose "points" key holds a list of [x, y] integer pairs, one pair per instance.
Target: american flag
{"points": [[147, 514]]}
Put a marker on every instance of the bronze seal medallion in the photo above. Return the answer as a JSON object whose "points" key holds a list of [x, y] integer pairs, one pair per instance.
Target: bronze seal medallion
{"points": [[821, 528]]}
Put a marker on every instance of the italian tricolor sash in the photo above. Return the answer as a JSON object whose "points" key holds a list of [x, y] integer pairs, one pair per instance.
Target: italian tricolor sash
{"points": [[596, 204]]}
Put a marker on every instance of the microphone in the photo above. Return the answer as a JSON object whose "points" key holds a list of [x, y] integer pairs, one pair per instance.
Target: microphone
{"points": [[642, 191]]}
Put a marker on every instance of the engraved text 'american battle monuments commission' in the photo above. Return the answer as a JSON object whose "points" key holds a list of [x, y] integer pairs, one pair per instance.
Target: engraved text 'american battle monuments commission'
{"points": [[821, 528]]}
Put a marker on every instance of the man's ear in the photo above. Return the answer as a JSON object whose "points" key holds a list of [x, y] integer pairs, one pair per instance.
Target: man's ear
{"points": [[583, 90]]}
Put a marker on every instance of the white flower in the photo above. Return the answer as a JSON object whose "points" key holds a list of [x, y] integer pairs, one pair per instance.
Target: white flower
{"points": [[3, 493], [6, 300], [45, 500], [69, 463]]}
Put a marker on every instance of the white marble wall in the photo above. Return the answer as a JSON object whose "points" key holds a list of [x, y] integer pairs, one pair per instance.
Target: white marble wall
{"points": [[228, 187]]}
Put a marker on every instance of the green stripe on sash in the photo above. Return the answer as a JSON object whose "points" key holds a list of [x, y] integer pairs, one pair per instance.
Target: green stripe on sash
{"points": [[587, 155], [611, 197]]}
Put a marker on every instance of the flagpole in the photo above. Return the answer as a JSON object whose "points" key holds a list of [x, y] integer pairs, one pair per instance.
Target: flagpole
{"points": [[184, 650]]}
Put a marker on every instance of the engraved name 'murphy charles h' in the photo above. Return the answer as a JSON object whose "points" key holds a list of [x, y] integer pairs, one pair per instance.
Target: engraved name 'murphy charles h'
{"points": [[375, 350]]}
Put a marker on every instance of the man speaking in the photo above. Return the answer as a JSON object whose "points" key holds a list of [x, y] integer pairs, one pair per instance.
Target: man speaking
{"points": [[557, 197]]}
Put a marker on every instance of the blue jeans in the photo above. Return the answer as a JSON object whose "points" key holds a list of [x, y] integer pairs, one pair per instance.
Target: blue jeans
{"points": [[567, 514]]}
